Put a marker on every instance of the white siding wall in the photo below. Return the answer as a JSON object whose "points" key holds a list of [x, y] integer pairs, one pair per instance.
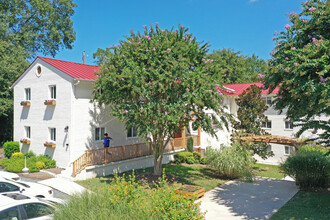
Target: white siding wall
{"points": [[39, 116]]}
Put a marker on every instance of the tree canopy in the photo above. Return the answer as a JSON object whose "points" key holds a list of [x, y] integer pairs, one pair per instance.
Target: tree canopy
{"points": [[300, 68], [159, 81], [233, 67]]}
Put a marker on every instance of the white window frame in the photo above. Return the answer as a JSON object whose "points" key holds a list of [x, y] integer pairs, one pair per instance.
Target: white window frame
{"points": [[52, 134], [27, 94], [268, 100], [132, 132], [288, 150], [99, 133], [27, 131], [265, 124], [52, 92], [290, 125]]}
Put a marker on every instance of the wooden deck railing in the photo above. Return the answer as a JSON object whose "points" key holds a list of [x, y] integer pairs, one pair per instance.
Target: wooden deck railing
{"points": [[112, 154]]}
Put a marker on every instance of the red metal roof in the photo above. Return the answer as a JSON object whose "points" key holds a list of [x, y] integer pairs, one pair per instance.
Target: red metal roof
{"points": [[75, 70], [237, 89]]}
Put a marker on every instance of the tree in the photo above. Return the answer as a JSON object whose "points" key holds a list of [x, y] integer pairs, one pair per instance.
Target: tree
{"points": [[27, 27], [158, 81], [300, 68], [236, 68], [250, 115]]}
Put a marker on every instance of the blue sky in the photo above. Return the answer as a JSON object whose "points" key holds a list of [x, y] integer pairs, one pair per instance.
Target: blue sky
{"points": [[244, 25]]}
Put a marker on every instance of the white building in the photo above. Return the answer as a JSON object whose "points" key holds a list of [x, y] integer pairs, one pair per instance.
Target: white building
{"points": [[53, 114]]}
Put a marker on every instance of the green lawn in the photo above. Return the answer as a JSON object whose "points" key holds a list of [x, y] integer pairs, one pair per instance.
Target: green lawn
{"points": [[186, 174], [306, 206], [272, 171]]}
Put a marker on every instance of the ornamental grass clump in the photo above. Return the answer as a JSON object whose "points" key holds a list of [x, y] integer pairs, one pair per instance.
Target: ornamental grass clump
{"points": [[125, 198], [233, 162]]}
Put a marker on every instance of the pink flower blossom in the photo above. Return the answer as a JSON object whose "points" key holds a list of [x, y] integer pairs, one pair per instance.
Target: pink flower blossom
{"points": [[221, 107], [126, 111], [122, 79], [154, 49], [144, 26], [323, 79], [219, 92], [165, 113], [123, 55], [309, 36], [210, 91], [187, 89], [280, 97], [274, 38], [211, 61], [147, 49], [295, 64], [156, 23], [287, 70], [203, 59], [311, 9], [263, 87], [287, 58], [143, 68], [287, 26], [305, 20], [261, 75], [214, 126], [148, 38], [293, 48], [168, 50]]}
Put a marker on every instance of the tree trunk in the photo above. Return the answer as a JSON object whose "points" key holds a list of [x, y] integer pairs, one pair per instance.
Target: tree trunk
{"points": [[158, 164]]}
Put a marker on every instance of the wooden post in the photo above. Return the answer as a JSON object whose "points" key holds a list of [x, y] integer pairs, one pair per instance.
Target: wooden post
{"points": [[150, 148], [172, 142], [86, 158], [105, 155], [183, 142], [73, 169], [199, 136]]}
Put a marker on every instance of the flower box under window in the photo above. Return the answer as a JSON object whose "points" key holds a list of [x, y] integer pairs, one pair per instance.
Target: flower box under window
{"points": [[50, 102], [50, 144], [191, 191], [25, 103], [25, 141]]}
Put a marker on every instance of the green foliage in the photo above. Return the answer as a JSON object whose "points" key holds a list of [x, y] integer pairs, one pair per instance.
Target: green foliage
{"points": [[16, 164], [236, 68], [309, 168], [310, 148], [181, 157], [300, 68], [233, 162], [17, 154], [190, 160], [203, 160], [10, 147], [250, 115], [30, 154], [155, 80], [122, 199], [197, 156], [190, 144]]}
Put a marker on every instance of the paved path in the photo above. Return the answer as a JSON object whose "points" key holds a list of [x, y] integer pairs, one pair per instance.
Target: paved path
{"points": [[242, 200]]}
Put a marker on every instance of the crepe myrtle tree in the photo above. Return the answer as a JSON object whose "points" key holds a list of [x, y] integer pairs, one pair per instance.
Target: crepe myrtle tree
{"points": [[300, 68], [159, 81]]}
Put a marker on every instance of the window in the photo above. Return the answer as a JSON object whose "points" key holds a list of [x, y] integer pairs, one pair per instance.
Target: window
{"points": [[289, 125], [288, 150], [268, 100], [11, 213], [52, 92], [28, 94], [266, 124], [131, 132], [99, 132], [7, 187], [52, 132], [34, 210], [27, 131]]}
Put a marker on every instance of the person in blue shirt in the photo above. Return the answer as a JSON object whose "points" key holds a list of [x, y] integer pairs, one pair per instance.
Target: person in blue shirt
{"points": [[106, 140]]}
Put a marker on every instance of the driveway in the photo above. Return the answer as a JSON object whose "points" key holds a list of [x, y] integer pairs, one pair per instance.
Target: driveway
{"points": [[241, 200]]}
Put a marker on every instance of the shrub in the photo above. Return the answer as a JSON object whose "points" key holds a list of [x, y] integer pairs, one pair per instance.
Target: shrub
{"points": [[313, 148], [197, 156], [202, 160], [190, 160], [190, 145], [181, 157], [310, 169], [10, 147], [40, 165], [17, 154], [123, 198], [30, 154], [232, 162]]}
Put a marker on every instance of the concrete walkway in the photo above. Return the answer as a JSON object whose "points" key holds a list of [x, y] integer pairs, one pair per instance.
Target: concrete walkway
{"points": [[241, 200], [64, 185]]}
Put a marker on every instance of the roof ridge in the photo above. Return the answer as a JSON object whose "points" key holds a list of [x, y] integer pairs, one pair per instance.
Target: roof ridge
{"points": [[64, 61]]}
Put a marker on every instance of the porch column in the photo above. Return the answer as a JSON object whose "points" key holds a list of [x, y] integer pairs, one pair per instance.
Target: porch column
{"points": [[199, 136]]}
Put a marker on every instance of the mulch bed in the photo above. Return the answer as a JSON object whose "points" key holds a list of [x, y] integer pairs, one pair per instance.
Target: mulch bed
{"points": [[150, 178], [36, 176]]}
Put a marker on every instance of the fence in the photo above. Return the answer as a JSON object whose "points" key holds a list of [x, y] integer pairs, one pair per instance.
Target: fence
{"points": [[112, 154]]}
